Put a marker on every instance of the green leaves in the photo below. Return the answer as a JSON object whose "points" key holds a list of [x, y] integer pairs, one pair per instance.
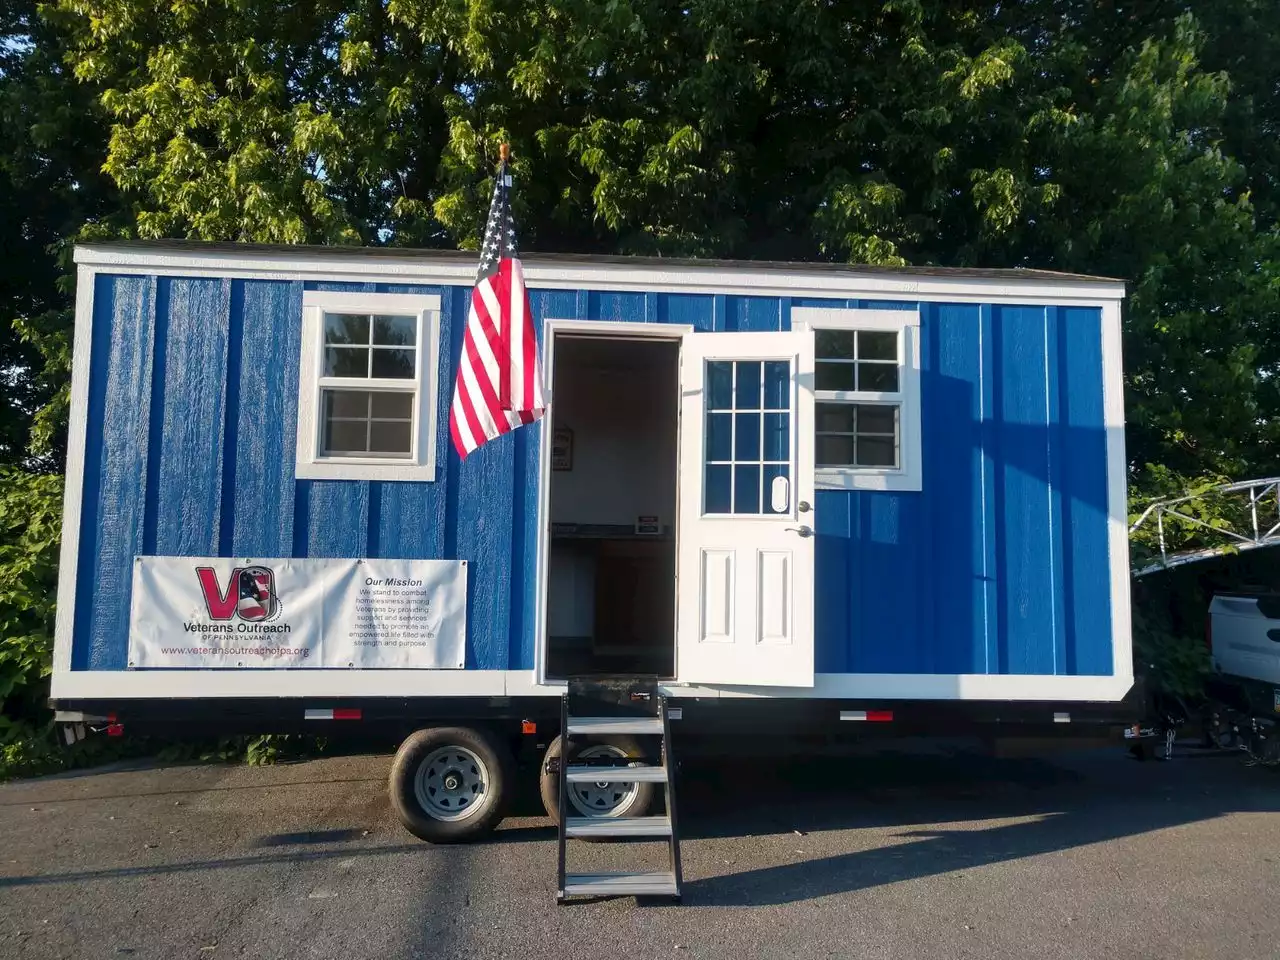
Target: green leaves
{"points": [[30, 525]]}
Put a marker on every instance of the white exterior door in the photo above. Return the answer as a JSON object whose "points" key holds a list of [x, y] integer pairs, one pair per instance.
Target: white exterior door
{"points": [[745, 518]]}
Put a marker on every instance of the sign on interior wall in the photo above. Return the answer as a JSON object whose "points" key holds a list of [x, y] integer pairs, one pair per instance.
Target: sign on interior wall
{"points": [[562, 449], [341, 614]]}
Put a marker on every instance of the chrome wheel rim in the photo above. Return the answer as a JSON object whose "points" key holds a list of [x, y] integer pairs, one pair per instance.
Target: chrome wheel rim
{"points": [[451, 783], [602, 798]]}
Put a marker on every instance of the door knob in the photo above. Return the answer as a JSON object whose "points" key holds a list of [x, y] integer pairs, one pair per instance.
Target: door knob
{"points": [[803, 530], [803, 506]]}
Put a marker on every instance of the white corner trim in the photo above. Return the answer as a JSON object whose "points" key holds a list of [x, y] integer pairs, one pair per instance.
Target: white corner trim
{"points": [[309, 465], [421, 267], [1117, 489], [909, 478], [73, 488]]}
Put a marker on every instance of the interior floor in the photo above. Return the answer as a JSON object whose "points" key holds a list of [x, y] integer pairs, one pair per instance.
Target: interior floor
{"points": [[611, 563]]}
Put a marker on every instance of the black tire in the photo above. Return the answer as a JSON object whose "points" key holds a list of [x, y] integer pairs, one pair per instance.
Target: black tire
{"points": [[549, 781], [468, 822]]}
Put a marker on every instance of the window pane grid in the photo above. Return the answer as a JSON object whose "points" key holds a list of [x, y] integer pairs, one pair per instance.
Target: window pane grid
{"points": [[854, 366], [370, 346], [858, 435], [362, 423]]}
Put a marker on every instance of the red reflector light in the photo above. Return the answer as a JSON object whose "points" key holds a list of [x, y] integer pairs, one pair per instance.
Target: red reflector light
{"points": [[528, 726], [115, 730], [347, 714], [868, 716]]}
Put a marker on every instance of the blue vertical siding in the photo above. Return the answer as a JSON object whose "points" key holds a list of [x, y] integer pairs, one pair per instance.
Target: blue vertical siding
{"points": [[188, 412], [1026, 622], [998, 564], [115, 470], [266, 335], [1082, 478], [697, 310], [952, 448], [752, 314], [994, 567]]}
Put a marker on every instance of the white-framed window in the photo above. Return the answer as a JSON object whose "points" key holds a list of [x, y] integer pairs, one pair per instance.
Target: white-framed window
{"points": [[866, 397], [368, 386]]}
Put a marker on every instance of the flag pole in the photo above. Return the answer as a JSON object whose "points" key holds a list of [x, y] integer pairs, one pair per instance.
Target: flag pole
{"points": [[504, 323]]}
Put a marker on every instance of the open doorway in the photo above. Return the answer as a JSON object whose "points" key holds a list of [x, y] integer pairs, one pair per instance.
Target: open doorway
{"points": [[611, 541]]}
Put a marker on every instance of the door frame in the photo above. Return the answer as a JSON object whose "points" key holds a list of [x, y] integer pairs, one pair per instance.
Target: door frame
{"points": [[606, 329]]}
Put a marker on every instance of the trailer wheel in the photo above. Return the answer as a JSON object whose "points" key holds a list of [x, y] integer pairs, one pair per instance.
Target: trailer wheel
{"points": [[450, 784], [598, 798]]}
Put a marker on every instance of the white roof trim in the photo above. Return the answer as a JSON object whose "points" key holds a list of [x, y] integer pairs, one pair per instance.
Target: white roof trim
{"points": [[647, 277]]}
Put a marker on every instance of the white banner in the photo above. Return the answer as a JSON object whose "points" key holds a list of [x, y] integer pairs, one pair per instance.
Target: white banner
{"points": [[195, 612]]}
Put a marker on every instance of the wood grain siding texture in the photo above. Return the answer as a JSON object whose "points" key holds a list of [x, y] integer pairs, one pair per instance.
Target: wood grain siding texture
{"points": [[988, 569], [117, 448], [986, 523], [626, 307], [952, 449], [1027, 638], [996, 566], [1082, 441], [188, 417], [258, 495], [753, 314]]}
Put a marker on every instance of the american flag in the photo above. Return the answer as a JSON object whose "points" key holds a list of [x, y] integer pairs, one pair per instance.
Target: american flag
{"points": [[499, 385]]}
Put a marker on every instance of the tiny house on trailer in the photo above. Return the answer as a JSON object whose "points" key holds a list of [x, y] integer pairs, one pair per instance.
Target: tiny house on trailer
{"points": [[799, 498]]}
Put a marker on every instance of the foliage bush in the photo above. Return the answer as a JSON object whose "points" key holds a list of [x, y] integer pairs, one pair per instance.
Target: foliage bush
{"points": [[30, 524]]}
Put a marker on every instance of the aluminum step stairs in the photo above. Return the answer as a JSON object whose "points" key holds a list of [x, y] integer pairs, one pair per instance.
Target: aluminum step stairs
{"points": [[596, 707]]}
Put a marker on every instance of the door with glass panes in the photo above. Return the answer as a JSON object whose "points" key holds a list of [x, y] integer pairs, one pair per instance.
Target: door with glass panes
{"points": [[745, 518]]}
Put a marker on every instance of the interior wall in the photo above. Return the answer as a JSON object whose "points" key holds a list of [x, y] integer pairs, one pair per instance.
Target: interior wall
{"points": [[620, 398]]}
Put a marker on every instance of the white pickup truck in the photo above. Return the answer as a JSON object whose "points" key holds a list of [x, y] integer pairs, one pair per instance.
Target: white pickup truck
{"points": [[1244, 688]]}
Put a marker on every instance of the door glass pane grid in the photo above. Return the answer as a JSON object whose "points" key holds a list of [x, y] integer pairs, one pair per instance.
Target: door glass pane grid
{"points": [[748, 434]]}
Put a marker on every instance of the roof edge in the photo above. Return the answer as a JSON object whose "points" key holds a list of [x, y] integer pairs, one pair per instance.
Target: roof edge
{"points": [[402, 264]]}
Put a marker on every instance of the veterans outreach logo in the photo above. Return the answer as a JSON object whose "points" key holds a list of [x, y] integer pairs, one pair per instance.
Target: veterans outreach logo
{"points": [[250, 594]]}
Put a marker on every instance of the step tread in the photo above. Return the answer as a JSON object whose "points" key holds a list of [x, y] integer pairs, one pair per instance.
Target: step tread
{"points": [[607, 725], [636, 774], [604, 884], [618, 827]]}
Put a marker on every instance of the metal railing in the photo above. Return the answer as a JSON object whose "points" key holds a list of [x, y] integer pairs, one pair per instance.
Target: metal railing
{"points": [[1247, 516]]}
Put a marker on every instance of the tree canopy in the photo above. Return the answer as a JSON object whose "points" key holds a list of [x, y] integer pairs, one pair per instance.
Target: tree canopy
{"points": [[1126, 139]]}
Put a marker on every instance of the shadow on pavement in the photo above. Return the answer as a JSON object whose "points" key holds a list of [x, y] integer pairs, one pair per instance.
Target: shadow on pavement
{"points": [[1071, 806], [1059, 805], [211, 788], [196, 866]]}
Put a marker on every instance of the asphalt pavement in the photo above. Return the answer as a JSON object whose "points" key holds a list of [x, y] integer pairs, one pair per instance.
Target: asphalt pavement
{"points": [[1088, 855]]}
